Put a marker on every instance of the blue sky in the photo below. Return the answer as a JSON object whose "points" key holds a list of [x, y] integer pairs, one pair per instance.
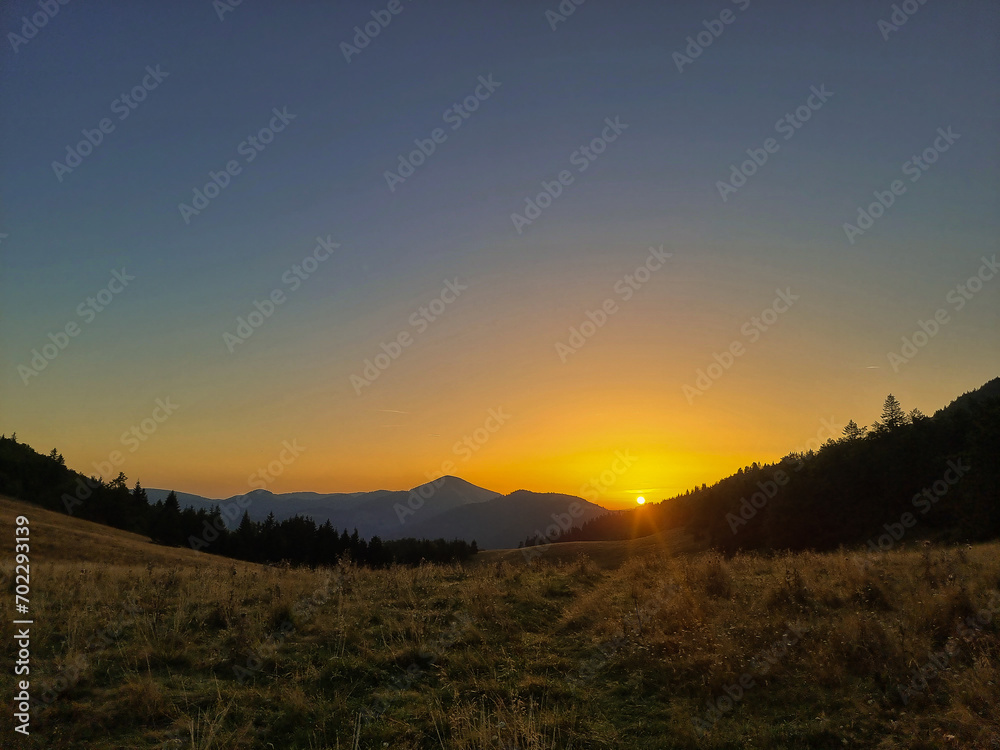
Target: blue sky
{"points": [[324, 175]]}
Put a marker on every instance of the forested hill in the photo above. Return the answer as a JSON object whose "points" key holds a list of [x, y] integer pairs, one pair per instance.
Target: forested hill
{"points": [[45, 480], [943, 470]]}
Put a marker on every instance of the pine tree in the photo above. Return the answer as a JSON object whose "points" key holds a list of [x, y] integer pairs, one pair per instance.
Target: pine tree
{"points": [[172, 505], [246, 527], [167, 527], [893, 416], [853, 432]]}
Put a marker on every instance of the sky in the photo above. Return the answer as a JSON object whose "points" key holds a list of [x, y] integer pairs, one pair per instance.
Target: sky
{"points": [[629, 248]]}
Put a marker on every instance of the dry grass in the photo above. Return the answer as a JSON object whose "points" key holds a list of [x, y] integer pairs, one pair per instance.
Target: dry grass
{"points": [[575, 653], [57, 537], [606, 555]]}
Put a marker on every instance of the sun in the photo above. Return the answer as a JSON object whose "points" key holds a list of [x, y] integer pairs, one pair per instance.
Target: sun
{"points": [[640, 500]]}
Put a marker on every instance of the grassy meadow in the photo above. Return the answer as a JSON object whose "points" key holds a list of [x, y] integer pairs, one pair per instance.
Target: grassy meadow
{"points": [[648, 644]]}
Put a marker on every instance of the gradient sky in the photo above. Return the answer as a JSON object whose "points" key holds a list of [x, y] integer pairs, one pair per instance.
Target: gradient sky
{"points": [[495, 346]]}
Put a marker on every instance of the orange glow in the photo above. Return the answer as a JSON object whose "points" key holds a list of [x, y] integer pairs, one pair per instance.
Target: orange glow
{"points": [[492, 404]]}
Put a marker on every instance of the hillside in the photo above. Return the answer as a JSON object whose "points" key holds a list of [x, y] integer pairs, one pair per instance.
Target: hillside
{"points": [[49, 483], [941, 470], [603, 555], [646, 651], [58, 538]]}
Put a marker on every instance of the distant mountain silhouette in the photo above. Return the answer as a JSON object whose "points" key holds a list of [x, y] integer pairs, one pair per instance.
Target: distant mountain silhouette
{"points": [[504, 521], [906, 476], [449, 508]]}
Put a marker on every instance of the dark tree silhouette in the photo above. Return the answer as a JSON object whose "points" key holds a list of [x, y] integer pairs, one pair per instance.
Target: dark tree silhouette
{"points": [[853, 432], [843, 493], [893, 416], [847, 491]]}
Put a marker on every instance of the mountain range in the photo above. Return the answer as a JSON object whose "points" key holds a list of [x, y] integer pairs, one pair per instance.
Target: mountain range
{"points": [[449, 508]]}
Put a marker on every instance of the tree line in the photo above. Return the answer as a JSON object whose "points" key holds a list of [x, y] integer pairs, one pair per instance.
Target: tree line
{"points": [[942, 470], [49, 483]]}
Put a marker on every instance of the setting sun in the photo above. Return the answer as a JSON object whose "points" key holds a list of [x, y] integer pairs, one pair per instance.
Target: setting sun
{"points": [[373, 413]]}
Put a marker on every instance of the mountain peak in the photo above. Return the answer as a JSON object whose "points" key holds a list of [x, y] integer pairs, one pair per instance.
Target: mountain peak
{"points": [[451, 482]]}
